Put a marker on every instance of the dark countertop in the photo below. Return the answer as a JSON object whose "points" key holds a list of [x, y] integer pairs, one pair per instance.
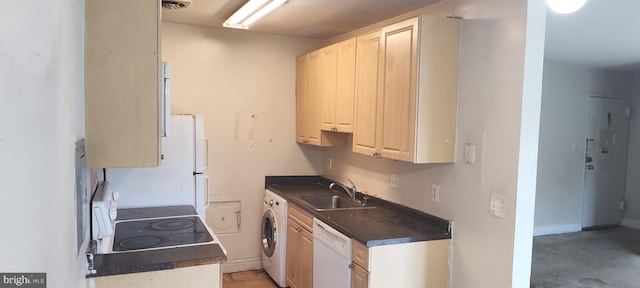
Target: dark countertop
{"points": [[160, 259], [388, 223]]}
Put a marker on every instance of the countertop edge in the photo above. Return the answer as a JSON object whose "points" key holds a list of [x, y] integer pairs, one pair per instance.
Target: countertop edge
{"points": [[114, 266]]}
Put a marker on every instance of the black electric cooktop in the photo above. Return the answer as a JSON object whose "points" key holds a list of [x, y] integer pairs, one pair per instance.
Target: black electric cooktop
{"points": [[157, 233]]}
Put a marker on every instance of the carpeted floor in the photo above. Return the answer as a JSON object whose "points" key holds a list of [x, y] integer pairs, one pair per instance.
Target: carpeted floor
{"points": [[598, 258]]}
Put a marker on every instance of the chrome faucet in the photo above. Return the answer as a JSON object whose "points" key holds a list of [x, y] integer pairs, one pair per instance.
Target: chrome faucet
{"points": [[350, 191]]}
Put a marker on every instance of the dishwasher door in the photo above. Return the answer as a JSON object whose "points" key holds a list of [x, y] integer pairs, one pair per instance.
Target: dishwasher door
{"points": [[331, 257]]}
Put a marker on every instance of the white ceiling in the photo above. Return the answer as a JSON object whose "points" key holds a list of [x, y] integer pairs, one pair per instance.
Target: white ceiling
{"points": [[319, 19], [603, 34]]}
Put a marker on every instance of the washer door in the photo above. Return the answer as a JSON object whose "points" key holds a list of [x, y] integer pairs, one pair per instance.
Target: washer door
{"points": [[269, 233]]}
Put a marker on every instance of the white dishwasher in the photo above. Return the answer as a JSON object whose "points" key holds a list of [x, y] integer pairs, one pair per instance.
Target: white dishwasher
{"points": [[331, 257]]}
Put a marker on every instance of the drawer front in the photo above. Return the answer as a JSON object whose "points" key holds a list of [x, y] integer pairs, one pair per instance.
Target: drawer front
{"points": [[303, 218], [360, 254]]}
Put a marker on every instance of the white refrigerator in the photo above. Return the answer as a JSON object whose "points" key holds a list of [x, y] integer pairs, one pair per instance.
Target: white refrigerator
{"points": [[179, 180]]}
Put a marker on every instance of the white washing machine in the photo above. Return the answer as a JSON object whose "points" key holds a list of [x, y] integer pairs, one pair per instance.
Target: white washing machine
{"points": [[274, 236]]}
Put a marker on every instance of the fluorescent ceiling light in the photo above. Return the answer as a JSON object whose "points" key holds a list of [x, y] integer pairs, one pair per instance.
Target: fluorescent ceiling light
{"points": [[565, 6], [250, 12]]}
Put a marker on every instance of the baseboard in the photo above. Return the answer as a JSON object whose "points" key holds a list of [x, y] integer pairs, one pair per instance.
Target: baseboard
{"points": [[242, 265], [634, 224], [559, 229]]}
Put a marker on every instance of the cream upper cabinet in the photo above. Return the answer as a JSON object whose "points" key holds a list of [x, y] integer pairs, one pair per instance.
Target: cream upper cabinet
{"points": [[315, 78], [338, 69], [122, 83], [313, 98], [307, 113], [302, 87], [327, 79], [368, 59], [413, 116]]}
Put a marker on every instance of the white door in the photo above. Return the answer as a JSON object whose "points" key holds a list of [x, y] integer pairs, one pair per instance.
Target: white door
{"points": [[605, 161]]}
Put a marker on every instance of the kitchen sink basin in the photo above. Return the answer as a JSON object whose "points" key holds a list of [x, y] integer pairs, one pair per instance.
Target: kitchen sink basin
{"points": [[332, 202]]}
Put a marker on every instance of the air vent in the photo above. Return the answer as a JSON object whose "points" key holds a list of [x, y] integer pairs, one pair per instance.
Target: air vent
{"points": [[175, 4]]}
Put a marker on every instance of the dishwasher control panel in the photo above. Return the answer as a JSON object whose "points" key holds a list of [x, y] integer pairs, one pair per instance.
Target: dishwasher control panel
{"points": [[331, 237]]}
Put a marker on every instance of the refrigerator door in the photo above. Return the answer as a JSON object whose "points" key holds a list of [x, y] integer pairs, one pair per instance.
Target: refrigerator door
{"points": [[202, 194], [201, 146]]}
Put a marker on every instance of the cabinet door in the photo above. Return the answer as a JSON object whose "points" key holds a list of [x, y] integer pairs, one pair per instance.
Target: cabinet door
{"points": [[345, 85], [302, 91], [292, 257], [305, 246], [368, 59], [399, 47], [122, 83], [359, 277], [327, 78], [299, 265], [437, 89], [313, 99]]}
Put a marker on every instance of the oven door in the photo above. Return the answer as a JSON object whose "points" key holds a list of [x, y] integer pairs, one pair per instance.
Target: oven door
{"points": [[269, 233]]}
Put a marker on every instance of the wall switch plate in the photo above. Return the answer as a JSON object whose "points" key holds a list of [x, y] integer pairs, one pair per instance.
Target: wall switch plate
{"points": [[469, 153], [330, 163], [393, 180], [496, 206], [435, 193], [470, 156]]}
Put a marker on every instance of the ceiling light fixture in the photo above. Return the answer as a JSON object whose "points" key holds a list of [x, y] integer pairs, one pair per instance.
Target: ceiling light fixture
{"points": [[250, 12], [565, 6]]}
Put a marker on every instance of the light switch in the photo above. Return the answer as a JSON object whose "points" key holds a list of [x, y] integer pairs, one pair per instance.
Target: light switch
{"points": [[470, 160], [469, 153]]}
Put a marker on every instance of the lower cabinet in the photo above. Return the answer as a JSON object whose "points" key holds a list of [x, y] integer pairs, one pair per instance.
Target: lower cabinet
{"points": [[359, 277], [417, 264], [299, 267], [200, 276]]}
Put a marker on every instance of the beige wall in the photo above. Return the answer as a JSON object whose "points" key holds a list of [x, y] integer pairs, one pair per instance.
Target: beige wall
{"points": [[41, 118], [500, 98], [227, 76], [223, 73]]}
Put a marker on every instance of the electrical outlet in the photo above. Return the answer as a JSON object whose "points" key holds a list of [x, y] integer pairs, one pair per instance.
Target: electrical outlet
{"points": [[496, 207], [393, 181], [435, 193]]}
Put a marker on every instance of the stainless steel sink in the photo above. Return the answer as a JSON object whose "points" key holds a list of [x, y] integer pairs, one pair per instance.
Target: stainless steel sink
{"points": [[332, 202]]}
